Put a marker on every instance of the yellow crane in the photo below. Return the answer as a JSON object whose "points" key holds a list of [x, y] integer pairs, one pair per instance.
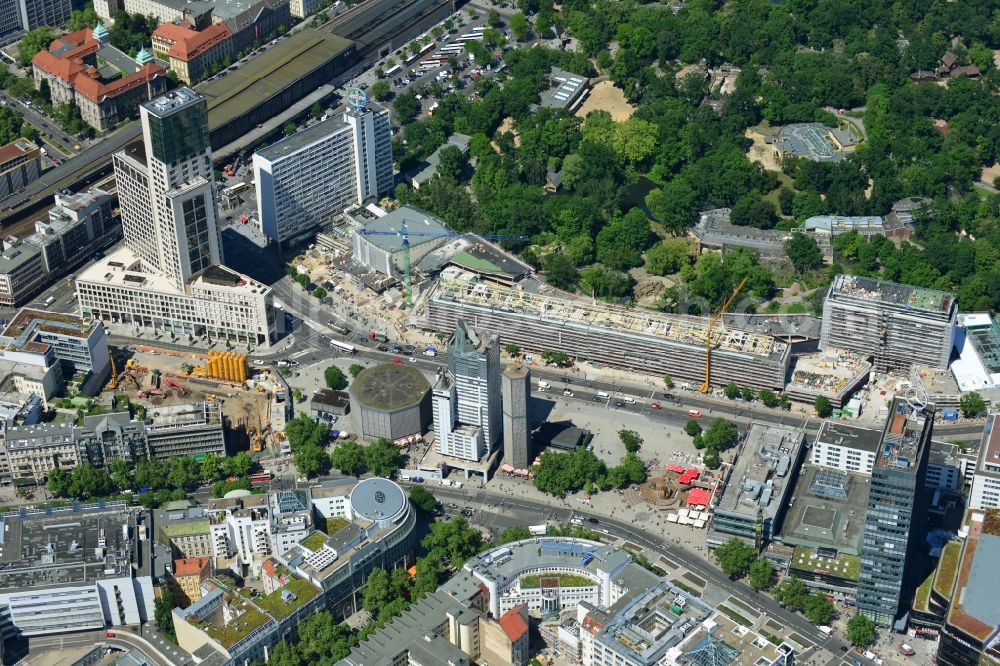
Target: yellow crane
{"points": [[708, 333]]}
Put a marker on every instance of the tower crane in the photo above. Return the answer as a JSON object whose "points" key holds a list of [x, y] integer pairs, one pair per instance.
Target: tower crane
{"points": [[708, 332], [405, 234]]}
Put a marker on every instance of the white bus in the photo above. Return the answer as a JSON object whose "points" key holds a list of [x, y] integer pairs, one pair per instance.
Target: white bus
{"points": [[481, 29], [538, 530], [342, 346], [393, 71]]}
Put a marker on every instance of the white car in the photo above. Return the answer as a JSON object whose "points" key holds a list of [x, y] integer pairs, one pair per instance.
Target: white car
{"points": [[567, 393], [257, 361], [413, 359]]}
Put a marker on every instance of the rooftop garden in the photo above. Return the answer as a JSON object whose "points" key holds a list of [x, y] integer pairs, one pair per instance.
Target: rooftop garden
{"points": [[991, 523], [278, 608], [334, 525], [923, 593], [551, 580], [181, 529], [250, 620], [314, 541], [947, 569], [843, 566]]}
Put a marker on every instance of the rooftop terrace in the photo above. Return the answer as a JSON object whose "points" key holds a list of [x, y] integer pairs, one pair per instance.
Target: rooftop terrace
{"points": [[977, 588], [676, 328], [906, 433]]}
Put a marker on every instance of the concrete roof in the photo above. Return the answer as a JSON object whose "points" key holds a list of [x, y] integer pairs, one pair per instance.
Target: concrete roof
{"points": [[760, 478], [304, 138], [293, 57], [378, 499], [849, 436], [389, 387], [983, 588], [826, 522], [390, 226]]}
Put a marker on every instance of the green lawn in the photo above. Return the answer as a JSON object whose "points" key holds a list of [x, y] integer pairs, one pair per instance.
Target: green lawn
{"points": [[687, 588], [314, 541], [844, 566], [947, 569], [334, 525], [565, 580], [275, 606]]}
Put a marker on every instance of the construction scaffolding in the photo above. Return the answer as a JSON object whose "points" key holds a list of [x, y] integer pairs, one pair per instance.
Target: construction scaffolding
{"points": [[634, 339]]}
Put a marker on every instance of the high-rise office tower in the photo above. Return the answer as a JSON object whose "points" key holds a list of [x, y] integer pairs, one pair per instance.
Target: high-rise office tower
{"points": [[306, 179], [469, 395], [895, 521], [168, 277], [515, 389], [167, 195]]}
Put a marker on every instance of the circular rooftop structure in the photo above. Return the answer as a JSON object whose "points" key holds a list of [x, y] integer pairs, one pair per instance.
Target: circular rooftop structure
{"points": [[391, 401], [389, 387], [379, 500]]}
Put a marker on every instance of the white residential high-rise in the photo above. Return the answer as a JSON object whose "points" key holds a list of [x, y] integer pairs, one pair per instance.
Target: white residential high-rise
{"points": [[306, 179], [168, 276], [468, 397]]}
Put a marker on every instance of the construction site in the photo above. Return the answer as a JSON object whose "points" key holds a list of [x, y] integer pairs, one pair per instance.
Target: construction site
{"points": [[636, 340], [896, 325], [252, 403], [833, 373]]}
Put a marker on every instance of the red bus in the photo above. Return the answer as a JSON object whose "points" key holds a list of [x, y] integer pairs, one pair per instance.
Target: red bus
{"points": [[261, 478]]}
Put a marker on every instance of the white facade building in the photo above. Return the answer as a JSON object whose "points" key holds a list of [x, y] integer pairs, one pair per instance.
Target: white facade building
{"points": [[845, 447], [453, 438], [986, 482], [169, 276], [308, 178], [243, 532]]}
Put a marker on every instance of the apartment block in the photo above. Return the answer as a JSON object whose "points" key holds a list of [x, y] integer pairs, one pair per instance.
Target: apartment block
{"points": [[241, 530], [187, 577], [986, 482], [897, 511], [307, 179], [22, 271], [20, 164], [896, 324], [79, 225]]}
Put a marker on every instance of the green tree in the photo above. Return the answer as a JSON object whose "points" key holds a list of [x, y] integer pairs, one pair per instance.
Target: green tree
{"points": [[452, 163], [804, 252], [511, 534], [452, 541], [860, 631], [712, 459], [631, 439], [381, 90], [303, 279], [121, 474], [290, 128], [242, 463], [297, 394], [319, 292], [383, 458], [407, 106], [720, 435], [819, 609], [511, 349], [735, 557], [349, 458], [311, 460], [768, 398], [334, 378], [519, 26], [822, 406], [971, 404], [59, 482], [304, 431], [163, 608], [423, 499], [557, 358], [761, 573], [792, 593], [33, 42], [692, 428], [493, 19], [211, 467], [752, 211], [377, 591], [731, 390], [668, 256], [316, 110], [560, 271], [355, 370]]}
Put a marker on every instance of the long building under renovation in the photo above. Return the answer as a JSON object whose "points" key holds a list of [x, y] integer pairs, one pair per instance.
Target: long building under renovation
{"points": [[896, 324], [636, 340]]}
